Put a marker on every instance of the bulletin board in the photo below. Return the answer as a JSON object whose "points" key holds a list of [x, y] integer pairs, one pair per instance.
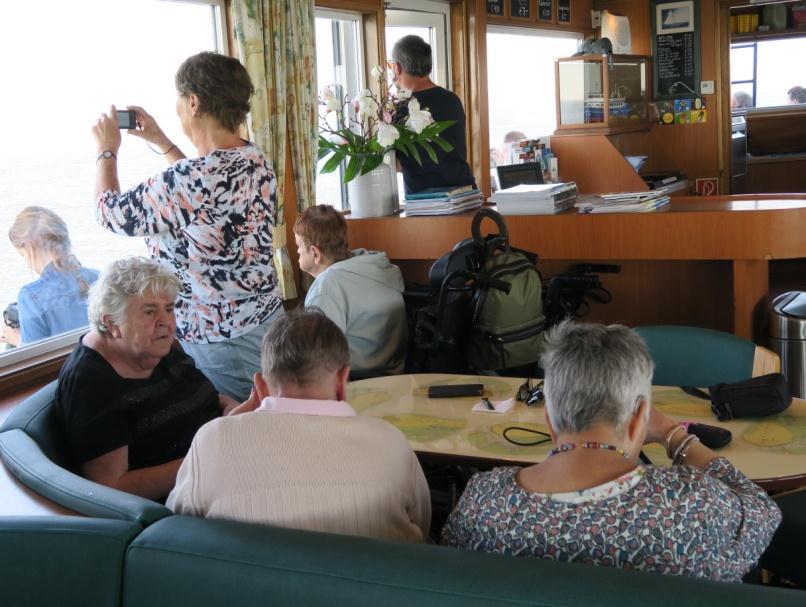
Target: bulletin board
{"points": [[676, 49]]}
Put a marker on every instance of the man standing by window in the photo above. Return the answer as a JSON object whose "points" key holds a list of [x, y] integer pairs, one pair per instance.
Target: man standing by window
{"points": [[411, 57]]}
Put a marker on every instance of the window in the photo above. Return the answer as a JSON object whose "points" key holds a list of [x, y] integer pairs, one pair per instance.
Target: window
{"points": [[429, 21], [520, 83], [764, 69], [339, 53], [66, 62]]}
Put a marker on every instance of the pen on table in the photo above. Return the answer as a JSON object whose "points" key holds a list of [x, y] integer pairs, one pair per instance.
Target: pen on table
{"points": [[488, 404]]}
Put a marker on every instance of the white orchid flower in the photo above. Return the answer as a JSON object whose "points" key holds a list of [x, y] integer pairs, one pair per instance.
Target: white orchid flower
{"points": [[403, 94], [376, 72], [367, 106], [332, 105], [327, 93], [418, 119], [387, 135]]}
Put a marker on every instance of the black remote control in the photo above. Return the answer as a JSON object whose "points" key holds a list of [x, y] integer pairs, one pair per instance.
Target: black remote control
{"points": [[455, 390]]}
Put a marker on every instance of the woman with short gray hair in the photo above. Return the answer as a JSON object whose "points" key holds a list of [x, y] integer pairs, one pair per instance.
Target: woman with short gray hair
{"points": [[592, 501], [130, 401]]}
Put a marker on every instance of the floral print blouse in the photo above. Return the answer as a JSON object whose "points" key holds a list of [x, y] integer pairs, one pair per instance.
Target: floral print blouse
{"points": [[681, 521], [210, 219]]}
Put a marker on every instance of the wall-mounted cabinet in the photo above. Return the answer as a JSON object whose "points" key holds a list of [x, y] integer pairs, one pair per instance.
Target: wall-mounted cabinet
{"points": [[602, 94], [768, 21]]}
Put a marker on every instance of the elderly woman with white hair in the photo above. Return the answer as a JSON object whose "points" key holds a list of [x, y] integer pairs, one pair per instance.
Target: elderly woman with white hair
{"points": [[131, 402], [592, 501]]}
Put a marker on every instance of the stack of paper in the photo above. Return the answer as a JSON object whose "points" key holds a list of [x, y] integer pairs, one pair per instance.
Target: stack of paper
{"points": [[535, 199], [624, 202], [443, 201]]}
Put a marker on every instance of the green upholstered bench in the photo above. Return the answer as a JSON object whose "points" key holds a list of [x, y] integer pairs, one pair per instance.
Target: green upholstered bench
{"points": [[67, 561], [34, 448], [183, 561]]}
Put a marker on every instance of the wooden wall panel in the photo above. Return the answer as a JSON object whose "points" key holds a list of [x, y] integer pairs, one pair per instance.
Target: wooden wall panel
{"points": [[692, 149], [640, 21], [777, 174], [595, 164], [644, 292]]}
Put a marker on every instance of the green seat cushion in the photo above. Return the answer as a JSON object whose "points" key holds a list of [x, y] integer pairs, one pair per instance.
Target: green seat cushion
{"points": [[62, 560], [691, 356], [184, 561]]}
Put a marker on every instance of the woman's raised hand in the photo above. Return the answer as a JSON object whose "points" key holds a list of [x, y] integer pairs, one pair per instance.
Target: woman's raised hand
{"points": [[106, 131], [148, 129]]}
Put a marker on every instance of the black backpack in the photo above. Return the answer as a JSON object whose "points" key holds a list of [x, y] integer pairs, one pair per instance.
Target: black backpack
{"points": [[489, 314], [507, 322]]}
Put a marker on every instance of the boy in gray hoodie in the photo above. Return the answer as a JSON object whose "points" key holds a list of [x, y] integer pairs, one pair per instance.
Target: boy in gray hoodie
{"points": [[361, 291]]}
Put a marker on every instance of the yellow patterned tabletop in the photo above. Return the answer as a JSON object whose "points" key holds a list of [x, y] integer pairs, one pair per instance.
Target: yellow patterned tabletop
{"points": [[764, 448]]}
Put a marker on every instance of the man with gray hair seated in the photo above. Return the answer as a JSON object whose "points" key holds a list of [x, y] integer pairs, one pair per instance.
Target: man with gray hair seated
{"points": [[304, 459], [592, 501], [130, 401]]}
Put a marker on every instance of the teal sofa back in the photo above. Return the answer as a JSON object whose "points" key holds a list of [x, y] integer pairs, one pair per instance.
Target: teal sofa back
{"points": [[34, 447], [62, 560], [38, 418], [692, 356], [184, 561]]}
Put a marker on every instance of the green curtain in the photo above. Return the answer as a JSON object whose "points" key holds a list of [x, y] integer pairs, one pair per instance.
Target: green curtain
{"points": [[276, 43]]}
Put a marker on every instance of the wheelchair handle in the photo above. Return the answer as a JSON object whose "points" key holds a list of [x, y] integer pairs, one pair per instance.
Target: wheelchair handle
{"points": [[497, 218]]}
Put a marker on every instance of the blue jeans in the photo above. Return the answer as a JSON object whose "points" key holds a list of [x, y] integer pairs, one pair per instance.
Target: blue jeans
{"points": [[230, 364]]}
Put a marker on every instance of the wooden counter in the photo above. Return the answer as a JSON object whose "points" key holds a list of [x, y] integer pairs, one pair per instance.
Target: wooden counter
{"points": [[725, 244]]}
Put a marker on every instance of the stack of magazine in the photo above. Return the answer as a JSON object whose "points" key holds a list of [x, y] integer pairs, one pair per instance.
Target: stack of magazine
{"points": [[535, 199], [623, 202], [443, 201]]}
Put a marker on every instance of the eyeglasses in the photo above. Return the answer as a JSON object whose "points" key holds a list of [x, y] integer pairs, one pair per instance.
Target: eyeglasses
{"points": [[530, 394]]}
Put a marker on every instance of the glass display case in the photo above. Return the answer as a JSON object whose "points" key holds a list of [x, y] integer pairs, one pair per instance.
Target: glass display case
{"points": [[602, 93]]}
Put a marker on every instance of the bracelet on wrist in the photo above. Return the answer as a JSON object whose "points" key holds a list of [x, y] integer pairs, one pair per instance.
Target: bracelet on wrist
{"points": [[173, 145], [682, 449], [669, 437]]}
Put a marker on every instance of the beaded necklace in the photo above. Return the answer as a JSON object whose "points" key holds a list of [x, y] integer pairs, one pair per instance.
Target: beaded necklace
{"points": [[591, 445]]}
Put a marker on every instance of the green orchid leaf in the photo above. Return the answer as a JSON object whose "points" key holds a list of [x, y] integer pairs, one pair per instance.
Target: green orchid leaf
{"points": [[446, 146], [438, 127], [352, 168], [371, 162], [414, 153], [430, 150], [334, 162]]}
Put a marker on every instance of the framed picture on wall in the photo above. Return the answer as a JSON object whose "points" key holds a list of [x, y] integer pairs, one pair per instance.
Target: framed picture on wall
{"points": [[674, 17]]}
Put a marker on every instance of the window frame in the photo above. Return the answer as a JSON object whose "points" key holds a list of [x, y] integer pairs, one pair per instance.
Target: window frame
{"points": [[749, 44], [417, 11], [11, 361], [357, 71], [517, 30]]}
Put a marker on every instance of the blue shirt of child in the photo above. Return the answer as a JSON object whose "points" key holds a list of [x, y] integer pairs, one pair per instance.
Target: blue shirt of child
{"points": [[53, 303]]}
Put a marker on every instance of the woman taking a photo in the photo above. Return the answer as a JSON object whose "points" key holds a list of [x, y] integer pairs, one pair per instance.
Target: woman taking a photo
{"points": [[208, 218]]}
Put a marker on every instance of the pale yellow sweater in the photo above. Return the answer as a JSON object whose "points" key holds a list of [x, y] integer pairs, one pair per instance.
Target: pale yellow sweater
{"points": [[350, 475]]}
